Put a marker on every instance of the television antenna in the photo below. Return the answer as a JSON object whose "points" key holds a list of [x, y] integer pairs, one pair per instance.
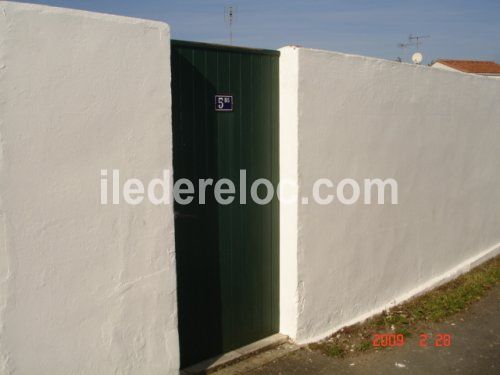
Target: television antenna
{"points": [[414, 40], [230, 18], [417, 39], [403, 46]]}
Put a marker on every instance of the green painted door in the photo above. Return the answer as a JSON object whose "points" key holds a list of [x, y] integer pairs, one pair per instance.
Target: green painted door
{"points": [[227, 255]]}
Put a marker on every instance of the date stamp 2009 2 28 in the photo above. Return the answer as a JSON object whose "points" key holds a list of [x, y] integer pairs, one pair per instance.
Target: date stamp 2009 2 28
{"points": [[397, 340], [439, 339]]}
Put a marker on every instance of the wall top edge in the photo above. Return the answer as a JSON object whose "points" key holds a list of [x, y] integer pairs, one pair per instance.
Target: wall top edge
{"points": [[301, 50], [7, 7]]}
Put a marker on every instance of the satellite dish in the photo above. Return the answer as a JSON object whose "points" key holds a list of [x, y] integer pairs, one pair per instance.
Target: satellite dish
{"points": [[417, 57]]}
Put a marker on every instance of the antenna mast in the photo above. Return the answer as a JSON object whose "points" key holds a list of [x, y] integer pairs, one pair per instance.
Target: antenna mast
{"points": [[402, 46], [230, 18], [417, 38], [413, 40]]}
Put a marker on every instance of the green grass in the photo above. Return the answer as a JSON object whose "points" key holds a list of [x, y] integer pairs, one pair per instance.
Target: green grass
{"points": [[434, 306], [364, 346], [456, 295], [336, 351], [404, 331]]}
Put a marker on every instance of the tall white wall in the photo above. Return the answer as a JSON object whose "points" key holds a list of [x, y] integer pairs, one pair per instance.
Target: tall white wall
{"points": [[84, 288], [436, 132]]}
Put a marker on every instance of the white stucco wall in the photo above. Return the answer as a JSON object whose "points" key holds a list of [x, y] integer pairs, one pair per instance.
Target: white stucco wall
{"points": [[84, 288], [438, 65], [436, 132]]}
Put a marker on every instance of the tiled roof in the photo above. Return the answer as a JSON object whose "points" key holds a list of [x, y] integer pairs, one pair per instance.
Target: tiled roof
{"points": [[472, 66]]}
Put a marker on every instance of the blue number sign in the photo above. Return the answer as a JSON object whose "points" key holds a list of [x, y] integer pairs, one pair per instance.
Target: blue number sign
{"points": [[223, 103]]}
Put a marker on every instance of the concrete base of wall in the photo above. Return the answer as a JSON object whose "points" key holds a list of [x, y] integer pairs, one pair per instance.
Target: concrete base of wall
{"points": [[234, 356]]}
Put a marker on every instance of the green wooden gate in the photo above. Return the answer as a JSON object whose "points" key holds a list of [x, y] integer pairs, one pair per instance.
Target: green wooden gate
{"points": [[227, 255]]}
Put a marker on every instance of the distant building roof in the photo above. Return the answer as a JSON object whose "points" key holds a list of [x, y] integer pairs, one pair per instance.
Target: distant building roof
{"points": [[472, 66]]}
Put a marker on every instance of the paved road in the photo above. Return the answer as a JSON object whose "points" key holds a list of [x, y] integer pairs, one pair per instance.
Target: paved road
{"points": [[475, 349]]}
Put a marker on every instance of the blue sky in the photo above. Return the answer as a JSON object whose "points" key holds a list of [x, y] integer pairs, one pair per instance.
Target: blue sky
{"points": [[458, 28]]}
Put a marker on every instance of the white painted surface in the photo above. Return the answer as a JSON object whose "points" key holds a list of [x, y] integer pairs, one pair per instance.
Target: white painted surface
{"points": [[288, 172], [84, 288], [438, 65], [435, 132]]}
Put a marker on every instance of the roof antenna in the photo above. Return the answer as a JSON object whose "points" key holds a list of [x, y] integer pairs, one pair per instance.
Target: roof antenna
{"points": [[413, 40], [417, 38], [230, 18], [402, 46]]}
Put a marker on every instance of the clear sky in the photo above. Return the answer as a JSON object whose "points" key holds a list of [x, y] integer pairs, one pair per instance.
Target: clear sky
{"points": [[467, 29]]}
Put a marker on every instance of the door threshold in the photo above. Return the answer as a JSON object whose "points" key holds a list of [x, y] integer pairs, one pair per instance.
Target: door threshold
{"points": [[236, 355]]}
